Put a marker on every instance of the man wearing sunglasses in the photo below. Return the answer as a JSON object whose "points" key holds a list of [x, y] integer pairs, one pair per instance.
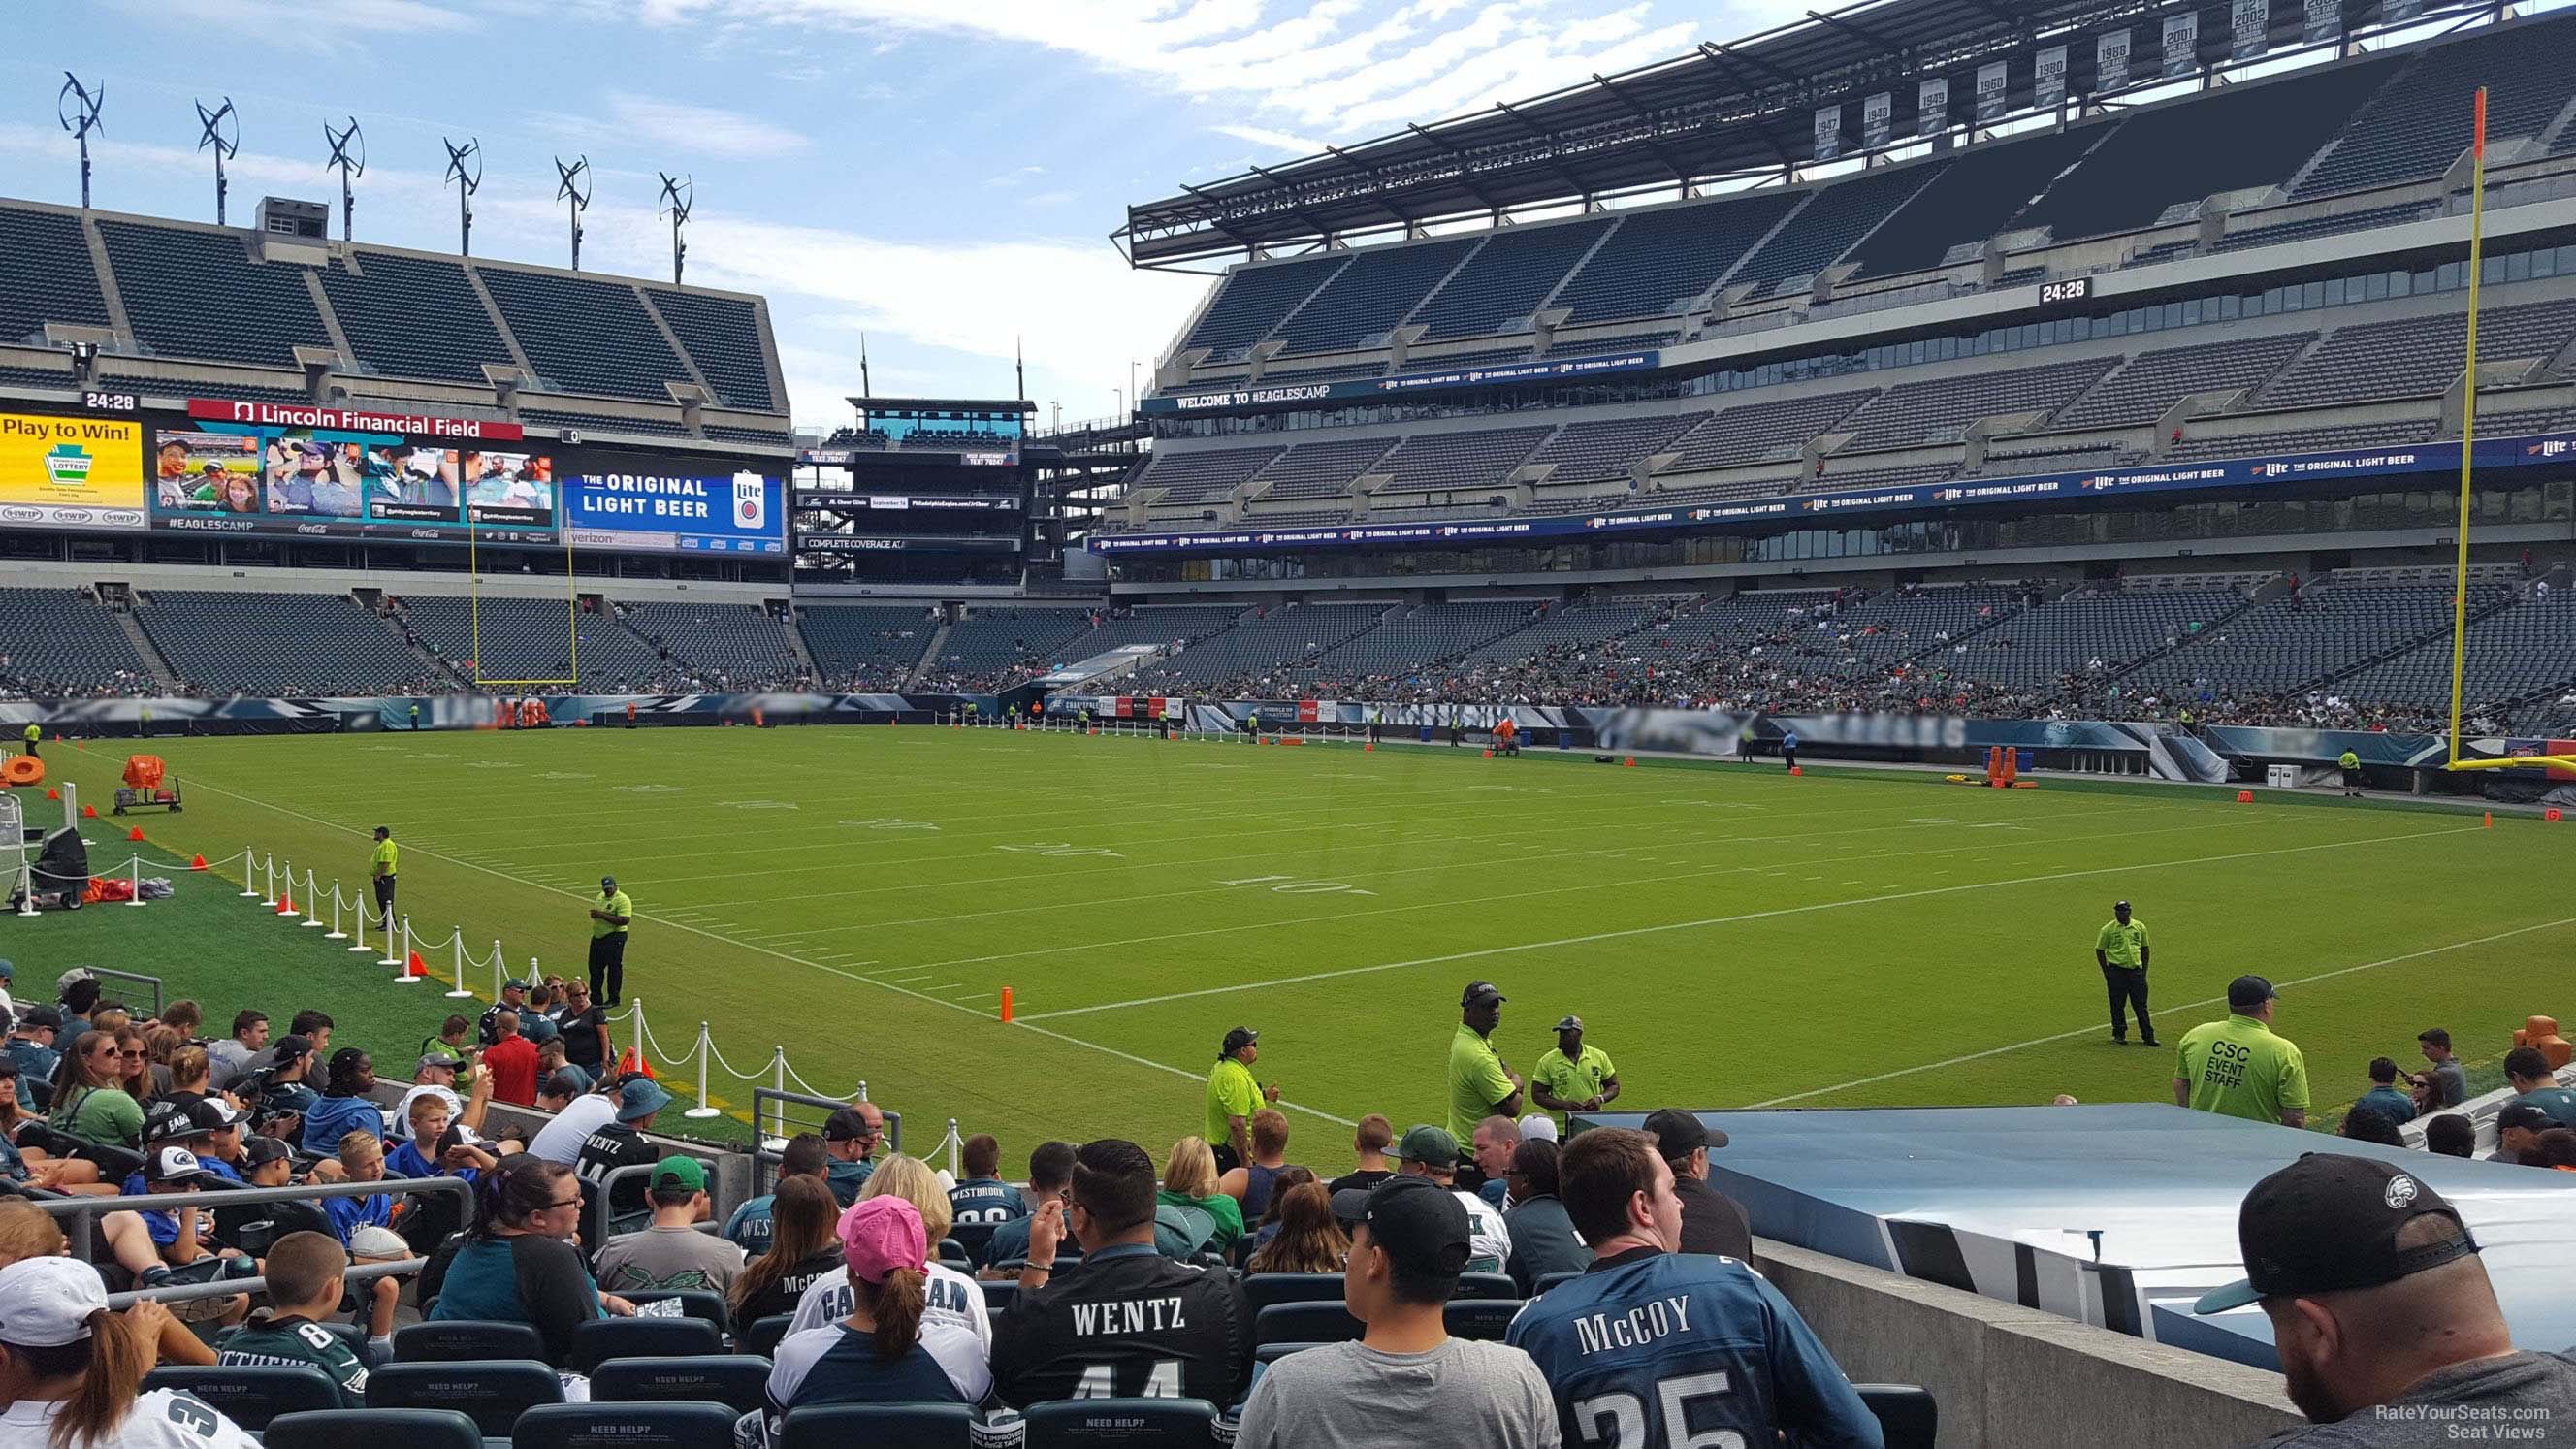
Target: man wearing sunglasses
{"points": [[851, 1137]]}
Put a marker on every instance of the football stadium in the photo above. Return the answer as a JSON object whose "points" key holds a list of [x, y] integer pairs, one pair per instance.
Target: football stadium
{"points": [[1651, 656]]}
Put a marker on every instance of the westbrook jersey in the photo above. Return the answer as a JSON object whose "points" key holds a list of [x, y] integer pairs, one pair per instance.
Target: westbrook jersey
{"points": [[1662, 1351]]}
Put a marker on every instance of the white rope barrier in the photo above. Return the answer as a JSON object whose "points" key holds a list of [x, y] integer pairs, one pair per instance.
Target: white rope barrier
{"points": [[312, 888], [336, 934], [250, 870]]}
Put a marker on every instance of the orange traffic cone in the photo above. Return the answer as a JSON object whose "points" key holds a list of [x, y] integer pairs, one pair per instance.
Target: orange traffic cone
{"points": [[89, 812], [134, 834], [1006, 1003], [197, 863], [415, 966], [1629, 763], [53, 794], [286, 903], [2490, 820], [2244, 797], [1368, 748], [1797, 769], [1489, 754]]}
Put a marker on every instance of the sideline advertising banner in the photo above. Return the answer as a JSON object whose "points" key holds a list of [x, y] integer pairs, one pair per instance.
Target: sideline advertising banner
{"points": [[666, 513], [70, 472]]}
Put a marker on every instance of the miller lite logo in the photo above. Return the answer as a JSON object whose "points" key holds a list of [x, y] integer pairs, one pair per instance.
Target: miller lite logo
{"points": [[750, 501]]}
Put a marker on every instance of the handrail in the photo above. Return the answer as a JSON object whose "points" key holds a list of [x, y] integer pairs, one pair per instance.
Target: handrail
{"points": [[85, 1210]]}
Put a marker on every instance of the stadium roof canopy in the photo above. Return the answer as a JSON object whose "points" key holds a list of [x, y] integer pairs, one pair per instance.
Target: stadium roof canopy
{"points": [[1721, 111]]}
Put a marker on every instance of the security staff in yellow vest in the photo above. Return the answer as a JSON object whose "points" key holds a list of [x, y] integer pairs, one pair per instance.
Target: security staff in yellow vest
{"points": [[2120, 949], [2350, 764]]}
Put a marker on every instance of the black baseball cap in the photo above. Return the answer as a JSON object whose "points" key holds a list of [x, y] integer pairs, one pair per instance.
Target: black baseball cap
{"points": [[290, 1046], [1677, 1133], [2328, 1223], [8, 1066], [2119, 905], [2249, 991], [41, 1016], [847, 1125], [1478, 992], [1420, 1223], [261, 1151], [2523, 1114], [1239, 1038]]}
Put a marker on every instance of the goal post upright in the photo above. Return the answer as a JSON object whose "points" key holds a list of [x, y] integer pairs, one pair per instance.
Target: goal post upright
{"points": [[572, 604]]}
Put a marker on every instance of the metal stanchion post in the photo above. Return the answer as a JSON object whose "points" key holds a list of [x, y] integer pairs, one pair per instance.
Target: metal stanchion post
{"points": [[402, 972], [250, 870], [396, 953], [136, 866], [359, 941], [639, 1029], [460, 953], [777, 1138], [336, 934], [312, 888], [705, 1050], [268, 872], [956, 1144], [460, 990]]}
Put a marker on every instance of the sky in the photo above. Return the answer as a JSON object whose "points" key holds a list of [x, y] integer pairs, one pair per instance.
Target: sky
{"points": [[939, 175]]}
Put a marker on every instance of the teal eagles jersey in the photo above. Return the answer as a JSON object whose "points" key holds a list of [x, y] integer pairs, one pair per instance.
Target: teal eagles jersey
{"points": [[299, 1342], [1664, 1351]]}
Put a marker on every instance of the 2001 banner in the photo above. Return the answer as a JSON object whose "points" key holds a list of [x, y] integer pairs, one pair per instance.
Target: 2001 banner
{"points": [[70, 472]]}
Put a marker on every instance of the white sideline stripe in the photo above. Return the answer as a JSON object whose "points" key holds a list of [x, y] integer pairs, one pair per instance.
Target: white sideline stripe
{"points": [[200, 782], [2186, 1006], [1810, 907]]}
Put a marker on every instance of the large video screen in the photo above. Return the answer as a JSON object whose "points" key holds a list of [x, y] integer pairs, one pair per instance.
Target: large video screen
{"points": [[308, 482]]}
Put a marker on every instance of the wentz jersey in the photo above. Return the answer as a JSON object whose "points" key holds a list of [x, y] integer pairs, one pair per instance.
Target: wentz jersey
{"points": [[1125, 1322], [1655, 1350]]}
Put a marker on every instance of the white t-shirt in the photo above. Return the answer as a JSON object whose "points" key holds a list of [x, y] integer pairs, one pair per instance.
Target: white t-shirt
{"points": [[1486, 1235], [560, 1140], [162, 1419], [398, 1121], [949, 1297]]}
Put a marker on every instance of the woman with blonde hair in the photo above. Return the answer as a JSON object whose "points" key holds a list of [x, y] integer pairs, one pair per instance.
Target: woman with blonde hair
{"points": [[1309, 1240], [27, 1232], [949, 1296], [1189, 1181]]}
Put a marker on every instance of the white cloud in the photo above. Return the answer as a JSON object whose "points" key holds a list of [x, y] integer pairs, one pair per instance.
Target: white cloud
{"points": [[1275, 140], [706, 130], [311, 21]]}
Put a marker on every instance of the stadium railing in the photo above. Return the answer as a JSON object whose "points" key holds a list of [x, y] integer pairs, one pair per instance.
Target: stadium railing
{"points": [[151, 984], [84, 1213]]}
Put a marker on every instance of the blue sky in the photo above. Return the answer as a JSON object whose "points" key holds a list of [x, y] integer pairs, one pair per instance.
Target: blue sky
{"points": [[940, 174]]}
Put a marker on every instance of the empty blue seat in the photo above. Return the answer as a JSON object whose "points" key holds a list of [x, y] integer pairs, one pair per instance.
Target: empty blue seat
{"points": [[602, 1339], [251, 1394], [724, 1378], [1485, 1285], [1260, 1290], [1907, 1414], [1550, 1280], [762, 1335], [1273, 1352], [447, 1340], [999, 1295], [1482, 1318], [377, 1428], [492, 1392], [1304, 1323], [682, 1303], [681, 1425], [915, 1426], [1163, 1423]]}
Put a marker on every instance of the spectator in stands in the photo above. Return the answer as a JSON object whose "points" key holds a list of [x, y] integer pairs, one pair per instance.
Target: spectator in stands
{"points": [[2378, 1302], [1712, 1222], [2554, 1149], [1050, 1177], [886, 1349], [88, 1103], [80, 998], [345, 1107], [1064, 1337], [364, 1225], [232, 1055], [28, 1167], [983, 1199], [800, 1250], [427, 1151], [1724, 1319], [850, 1138], [435, 1076], [536, 1019], [585, 1030], [1374, 1137], [306, 1273], [2529, 1074], [1480, 1084], [1251, 1184], [1308, 1240], [26, 1232], [1190, 1183], [1495, 1140], [2384, 1096], [31, 1046], [176, 1235], [1431, 1152], [279, 1094], [2451, 1135], [672, 1253], [1233, 1095], [2518, 1129], [2450, 1079], [1572, 1077], [620, 1143], [514, 999], [72, 1372], [313, 1028], [749, 1227], [949, 1296], [512, 1060], [2365, 1123], [1406, 1381], [1543, 1237], [2266, 1079], [191, 1076], [450, 1040], [135, 1071], [518, 1264]]}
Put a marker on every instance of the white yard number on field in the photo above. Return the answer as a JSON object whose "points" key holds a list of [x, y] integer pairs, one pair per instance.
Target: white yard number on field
{"points": [[1059, 848], [1289, 885]]}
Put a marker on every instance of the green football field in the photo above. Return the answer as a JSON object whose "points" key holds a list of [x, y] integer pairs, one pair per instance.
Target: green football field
{"points": [[1732, 936]]}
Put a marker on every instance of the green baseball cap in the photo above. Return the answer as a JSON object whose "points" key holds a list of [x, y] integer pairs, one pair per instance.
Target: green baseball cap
{"points": [[1427, 1144], [685, 1172]]}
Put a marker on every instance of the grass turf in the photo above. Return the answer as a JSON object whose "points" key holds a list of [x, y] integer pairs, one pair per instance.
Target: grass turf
{"points": [[1731, 936]]}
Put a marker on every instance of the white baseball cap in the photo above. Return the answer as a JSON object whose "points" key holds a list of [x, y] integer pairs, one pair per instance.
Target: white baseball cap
{"points": [[1538, 1127], [47, 1302]]}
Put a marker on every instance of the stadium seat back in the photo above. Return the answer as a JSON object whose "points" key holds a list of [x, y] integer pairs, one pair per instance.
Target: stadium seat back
{"points": [[492, 1392], [915, 1426], [973, 1237], [1907, 1414], [761, 1335], [683, 1303], [956, 1254], [999, 1295], [1486, 1285], [448, 1340], [252, 1394], [1304, 1323], [1260, 1290], [377, 1428], [602, 1339], [1273, 1352], [1086, 1423], [734, 1379], [1550, 1280], [679, 1425], [1481, 1318]]}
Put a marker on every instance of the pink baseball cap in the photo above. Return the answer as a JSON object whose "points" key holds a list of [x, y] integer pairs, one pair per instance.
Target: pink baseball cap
{"points": [[879, 1235]]}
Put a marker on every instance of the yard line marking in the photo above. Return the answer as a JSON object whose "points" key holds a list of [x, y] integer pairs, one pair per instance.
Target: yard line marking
{"points": [[2186, 1006], [1634, 931], [1023, 1024], [946, 986]]}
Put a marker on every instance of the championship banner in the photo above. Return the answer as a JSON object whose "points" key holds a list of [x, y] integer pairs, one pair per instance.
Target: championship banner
{"points": [[350, 420], [2248, 24], [2110, 61], [1876, 113], [1993, 83], [1829, 132], [2323, 21], [2398, 12], [2048, 80], [71, 472], [1932, 107], [2182, 44]]}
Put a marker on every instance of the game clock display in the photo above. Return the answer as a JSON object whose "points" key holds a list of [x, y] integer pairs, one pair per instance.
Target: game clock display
{"points": [[2073, 289]]}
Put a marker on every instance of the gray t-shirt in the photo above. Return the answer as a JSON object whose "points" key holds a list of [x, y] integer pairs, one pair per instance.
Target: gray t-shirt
{"points": [[2489, 1400], [2450, 1083], [668, 1258], [1351, 1396]]}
